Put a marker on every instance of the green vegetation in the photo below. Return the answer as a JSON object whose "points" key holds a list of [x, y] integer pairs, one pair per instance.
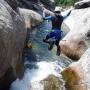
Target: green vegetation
{"points": [[64, 2]]}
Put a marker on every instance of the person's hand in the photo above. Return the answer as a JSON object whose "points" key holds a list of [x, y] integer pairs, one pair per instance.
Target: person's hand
{"points": [[71, 8]]}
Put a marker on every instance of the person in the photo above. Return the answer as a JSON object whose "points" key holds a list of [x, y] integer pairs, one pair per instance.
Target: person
{"points": [[56, 32]]}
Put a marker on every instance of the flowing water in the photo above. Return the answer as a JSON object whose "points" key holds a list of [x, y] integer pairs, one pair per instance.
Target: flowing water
{"points": [[39, 62]]}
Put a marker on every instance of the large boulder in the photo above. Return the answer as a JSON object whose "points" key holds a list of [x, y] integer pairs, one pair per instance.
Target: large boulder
{"points": [[49, 4], [12, 37], [77, 41], [31, 18], [77, 75], [13, 4], [82, 4], [36, 5]]}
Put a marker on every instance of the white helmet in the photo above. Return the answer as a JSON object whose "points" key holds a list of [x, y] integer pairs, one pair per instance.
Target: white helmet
{"points": [[57, 8]]}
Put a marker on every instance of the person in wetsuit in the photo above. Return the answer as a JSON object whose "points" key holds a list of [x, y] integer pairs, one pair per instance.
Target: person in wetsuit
{"points": [[56, 27]]}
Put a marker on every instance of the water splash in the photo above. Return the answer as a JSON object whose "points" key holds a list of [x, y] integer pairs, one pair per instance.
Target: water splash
{"points": [[32, 77]]}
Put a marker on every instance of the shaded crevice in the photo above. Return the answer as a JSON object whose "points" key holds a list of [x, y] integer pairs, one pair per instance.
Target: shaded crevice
{"points": [[6, 80]]}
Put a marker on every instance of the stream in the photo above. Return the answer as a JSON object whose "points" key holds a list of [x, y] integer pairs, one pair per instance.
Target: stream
{"points": [[39, 62]]}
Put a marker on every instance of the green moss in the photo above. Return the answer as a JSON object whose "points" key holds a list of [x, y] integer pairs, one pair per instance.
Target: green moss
{"points": [[51, 83], [71, 79], [65, 2]]}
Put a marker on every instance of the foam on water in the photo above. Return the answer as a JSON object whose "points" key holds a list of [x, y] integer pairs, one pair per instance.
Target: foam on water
{"points": [[32, 77]]}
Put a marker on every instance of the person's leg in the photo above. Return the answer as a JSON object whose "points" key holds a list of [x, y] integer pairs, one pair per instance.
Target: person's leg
{"points": [[51, 43], [58, 38], [58, 48], [50, 35]]}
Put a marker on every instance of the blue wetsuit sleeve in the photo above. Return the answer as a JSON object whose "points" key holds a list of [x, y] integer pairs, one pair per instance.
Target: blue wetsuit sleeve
{"points": [[47, 18], [64, 17]]}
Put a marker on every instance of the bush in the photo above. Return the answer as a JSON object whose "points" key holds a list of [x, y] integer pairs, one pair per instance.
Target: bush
{"points": [[64, 2]]}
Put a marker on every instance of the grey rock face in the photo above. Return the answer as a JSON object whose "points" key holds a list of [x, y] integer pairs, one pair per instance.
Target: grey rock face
{"points": [[36, 5], [12, 37], [77, 41], [82, 4], [31, 18], [12, 3]]}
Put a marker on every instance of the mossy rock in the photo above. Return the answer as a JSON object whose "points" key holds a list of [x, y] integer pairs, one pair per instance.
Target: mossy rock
{"points": [[51, 83], [72, 77]]}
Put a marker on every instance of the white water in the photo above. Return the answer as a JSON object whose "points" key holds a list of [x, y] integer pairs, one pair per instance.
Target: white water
{"points": [[32, 78]]}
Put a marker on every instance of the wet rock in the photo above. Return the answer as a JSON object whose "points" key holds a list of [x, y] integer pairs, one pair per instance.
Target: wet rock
{"points": [[82, 4], [77, 74], [12, 38], [51, 83], [77, 41]]}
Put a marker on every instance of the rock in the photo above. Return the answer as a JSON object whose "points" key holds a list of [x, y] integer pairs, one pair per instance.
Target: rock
{"points": [[82, 4], [49, 4], [13, 4], [77, 41], [51, 83], [77, 75], [36, 5], [12, 38], [31, 18], [29, 45], [48, 12]]}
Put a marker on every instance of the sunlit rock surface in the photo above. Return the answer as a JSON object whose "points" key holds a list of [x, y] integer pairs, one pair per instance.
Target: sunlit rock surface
{"points": [[77, 75], [77, 41], [31, 18], [82, 4], [12, 37]]}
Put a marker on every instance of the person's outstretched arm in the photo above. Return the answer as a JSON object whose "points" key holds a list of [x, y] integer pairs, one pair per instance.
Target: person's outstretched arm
{"points": [[68, 13], [46, 18]]}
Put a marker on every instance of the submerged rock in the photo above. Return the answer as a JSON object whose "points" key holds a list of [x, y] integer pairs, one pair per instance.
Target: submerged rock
{"points": [[77, 41], [77, 75], [12, 38]]}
